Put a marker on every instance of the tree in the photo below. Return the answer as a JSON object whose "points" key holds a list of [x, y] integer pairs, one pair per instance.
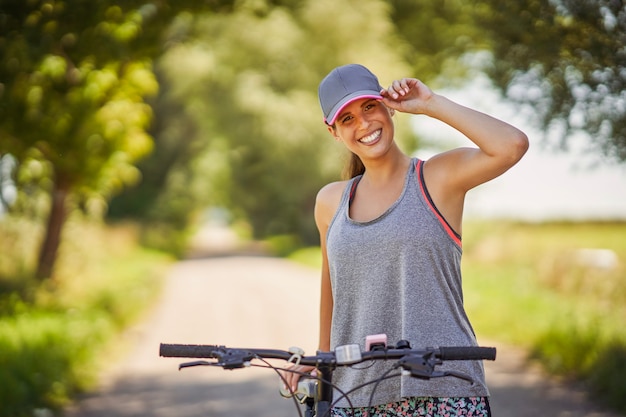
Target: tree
{"points": [[74, 77], [243, 124], [436, 36], [567, 60]]}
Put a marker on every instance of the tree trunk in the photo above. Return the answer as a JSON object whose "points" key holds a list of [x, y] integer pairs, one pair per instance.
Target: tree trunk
{"points": [[56, 220]]}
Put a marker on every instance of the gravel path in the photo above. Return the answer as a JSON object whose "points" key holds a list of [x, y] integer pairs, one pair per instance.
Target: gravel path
{"points": [[260, 301]]}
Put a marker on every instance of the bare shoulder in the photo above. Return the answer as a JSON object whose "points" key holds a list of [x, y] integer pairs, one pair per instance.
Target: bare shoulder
{"points": [[332, 191], [327, 201]]}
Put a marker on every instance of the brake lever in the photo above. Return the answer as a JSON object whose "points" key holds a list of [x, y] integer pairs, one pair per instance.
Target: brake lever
{"points": [[231, 359], [455, 374], [424, 367], [195, 363]]}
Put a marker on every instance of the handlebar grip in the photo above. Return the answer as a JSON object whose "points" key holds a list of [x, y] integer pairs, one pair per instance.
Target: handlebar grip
{"points": [[187, 351], [467, 353]]}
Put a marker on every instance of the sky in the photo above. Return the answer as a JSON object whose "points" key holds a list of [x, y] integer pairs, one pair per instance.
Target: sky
{"points": [[544, 185]]}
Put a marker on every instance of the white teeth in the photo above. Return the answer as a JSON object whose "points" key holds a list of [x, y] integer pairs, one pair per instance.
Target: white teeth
{"points": [[370, 138]]}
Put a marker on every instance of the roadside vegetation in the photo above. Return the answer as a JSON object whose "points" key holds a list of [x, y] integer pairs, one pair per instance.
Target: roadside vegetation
{"points": [[56, 336], [556, 289]]}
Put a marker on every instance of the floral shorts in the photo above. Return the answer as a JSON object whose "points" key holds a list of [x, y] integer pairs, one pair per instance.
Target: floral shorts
{"points": [[422, 407]]}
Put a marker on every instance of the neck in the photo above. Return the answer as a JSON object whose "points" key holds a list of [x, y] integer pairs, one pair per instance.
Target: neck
{"points": [[382, 171]]}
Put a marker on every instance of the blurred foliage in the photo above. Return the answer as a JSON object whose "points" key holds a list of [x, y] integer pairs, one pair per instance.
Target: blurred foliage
{"points": [[55, 338], [219, 97], [239, 125], [44, 355], [437, 39], [566, 60], [557, 289], [75, 78]]}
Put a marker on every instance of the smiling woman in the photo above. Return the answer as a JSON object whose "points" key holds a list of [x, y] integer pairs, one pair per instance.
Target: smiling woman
{"points": [[391, 236], [362, 125]]}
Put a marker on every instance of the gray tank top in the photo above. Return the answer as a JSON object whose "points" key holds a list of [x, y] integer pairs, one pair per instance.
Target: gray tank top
{"points": [[399, 274]]}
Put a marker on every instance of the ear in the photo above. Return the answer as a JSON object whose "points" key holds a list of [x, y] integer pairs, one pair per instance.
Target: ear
{"points": [[333, 131], [391, 112]]}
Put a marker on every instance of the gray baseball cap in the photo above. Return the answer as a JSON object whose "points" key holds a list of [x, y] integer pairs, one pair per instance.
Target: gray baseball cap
{"points": [[344, 85]]}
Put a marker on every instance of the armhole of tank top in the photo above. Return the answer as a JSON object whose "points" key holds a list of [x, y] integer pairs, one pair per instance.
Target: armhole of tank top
{"points": [[348, 194], [355, 182], [419, 171]]}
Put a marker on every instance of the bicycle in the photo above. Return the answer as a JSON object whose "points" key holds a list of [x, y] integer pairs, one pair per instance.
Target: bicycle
{"points": [[317, 392]]}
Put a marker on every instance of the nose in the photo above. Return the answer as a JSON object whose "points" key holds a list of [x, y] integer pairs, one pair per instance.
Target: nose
{"points": [[363, 122]]}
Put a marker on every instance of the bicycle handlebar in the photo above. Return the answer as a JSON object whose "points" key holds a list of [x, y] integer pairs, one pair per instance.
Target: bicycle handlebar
{"points": [[467, 353], [237, 357], [318, 393]]}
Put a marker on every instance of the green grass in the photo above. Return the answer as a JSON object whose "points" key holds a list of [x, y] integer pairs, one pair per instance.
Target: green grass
{"points": [[532, 286], [47, 357], [55, 337], [310, 256], [522, 279]]}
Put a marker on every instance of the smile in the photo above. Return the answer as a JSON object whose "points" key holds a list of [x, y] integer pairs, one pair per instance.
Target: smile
{"points": [[370, 138]]}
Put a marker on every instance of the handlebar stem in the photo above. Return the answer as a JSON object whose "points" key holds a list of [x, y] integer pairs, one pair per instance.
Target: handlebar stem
{"points": [[324, 389]]}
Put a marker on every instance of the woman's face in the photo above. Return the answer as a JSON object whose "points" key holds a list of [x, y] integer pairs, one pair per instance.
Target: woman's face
{"points": [[365, 127]]}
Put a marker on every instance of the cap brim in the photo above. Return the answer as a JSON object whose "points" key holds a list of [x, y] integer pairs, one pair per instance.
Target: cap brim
{"points": [[357, 95]]}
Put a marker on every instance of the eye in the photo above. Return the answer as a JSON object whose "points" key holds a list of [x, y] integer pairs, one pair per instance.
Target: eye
{"points": [[346, 119], [370, 105]]}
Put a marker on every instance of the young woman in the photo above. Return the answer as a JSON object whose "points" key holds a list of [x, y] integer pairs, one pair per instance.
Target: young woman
{"points": [[391, 239]]}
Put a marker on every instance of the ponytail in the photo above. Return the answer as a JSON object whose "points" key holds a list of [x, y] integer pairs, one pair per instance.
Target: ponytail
{"points": [[354, 166]]}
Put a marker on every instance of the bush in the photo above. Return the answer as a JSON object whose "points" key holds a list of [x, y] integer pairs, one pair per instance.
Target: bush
{"points": [[53, 334], [46, 358], [557, 289], [584, 354], [283, 245], [606, 377], [567, 349]]}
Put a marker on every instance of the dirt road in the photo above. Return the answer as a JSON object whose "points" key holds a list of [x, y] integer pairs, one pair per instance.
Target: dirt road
{"points": [[263, 302]]}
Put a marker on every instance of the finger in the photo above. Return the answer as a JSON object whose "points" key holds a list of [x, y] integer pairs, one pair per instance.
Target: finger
{"points": [[405, 88], [397, 89], [389, 93], [392, 104], [284, 379], [292, 377]]}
